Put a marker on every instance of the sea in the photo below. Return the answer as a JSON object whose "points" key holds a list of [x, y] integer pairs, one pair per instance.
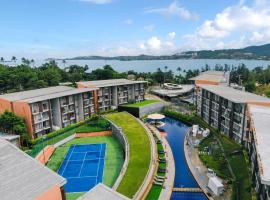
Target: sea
{"points": [[153, 65]]}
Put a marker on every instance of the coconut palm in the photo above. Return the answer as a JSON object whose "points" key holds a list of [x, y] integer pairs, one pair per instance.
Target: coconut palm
{"points": [[32, 61], [64, 62], [13, 59]]}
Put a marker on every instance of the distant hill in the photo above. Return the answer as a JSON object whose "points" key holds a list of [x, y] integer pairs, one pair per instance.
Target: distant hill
{"points": [[252, 52]]}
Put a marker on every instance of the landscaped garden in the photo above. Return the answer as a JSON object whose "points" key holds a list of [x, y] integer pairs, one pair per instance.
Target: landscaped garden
{"points": [[142, 103], [114, 158], [140, 152]]}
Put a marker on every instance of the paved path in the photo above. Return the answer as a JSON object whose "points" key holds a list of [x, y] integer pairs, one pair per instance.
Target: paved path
{"points": [[169, 181], [199, 171]]}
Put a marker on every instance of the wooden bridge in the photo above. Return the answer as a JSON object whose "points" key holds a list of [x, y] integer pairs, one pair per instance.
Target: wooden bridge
{"points": [[187, 190]]}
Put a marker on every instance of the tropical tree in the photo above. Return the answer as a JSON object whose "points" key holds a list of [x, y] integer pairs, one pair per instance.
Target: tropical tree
{"points": [[64, 62], [12, 124], [13, 59], [32, 61]]}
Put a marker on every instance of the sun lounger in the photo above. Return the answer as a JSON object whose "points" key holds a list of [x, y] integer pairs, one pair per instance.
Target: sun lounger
{"points": [[157, 183]]}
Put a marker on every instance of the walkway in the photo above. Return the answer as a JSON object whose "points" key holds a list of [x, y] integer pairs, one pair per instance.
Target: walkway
{"points": [[169, 181], [199, 171]]}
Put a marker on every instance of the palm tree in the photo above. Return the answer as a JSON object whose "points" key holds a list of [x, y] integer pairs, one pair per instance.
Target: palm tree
{"points": [[14, 59], [32, 61], [2, 60], [64, 62], [166, 68], [179, 70]]}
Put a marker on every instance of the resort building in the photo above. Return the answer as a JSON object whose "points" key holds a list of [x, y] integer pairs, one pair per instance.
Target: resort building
{"points": [[114, 92], [212, 78], [22, 177], [224, 108], [48, 109], [258, 135]]}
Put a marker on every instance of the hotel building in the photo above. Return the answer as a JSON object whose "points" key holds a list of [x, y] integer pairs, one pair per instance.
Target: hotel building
{"points": [[258, 147], [114, 92], [48, 109], [224, 108], [244, 117]]}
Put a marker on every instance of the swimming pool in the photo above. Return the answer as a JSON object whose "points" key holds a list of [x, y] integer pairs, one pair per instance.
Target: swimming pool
{"points": [[83, 167], [176, 131]]}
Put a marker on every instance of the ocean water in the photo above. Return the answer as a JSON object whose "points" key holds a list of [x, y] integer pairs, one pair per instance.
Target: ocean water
{"points": [[152, 65]]}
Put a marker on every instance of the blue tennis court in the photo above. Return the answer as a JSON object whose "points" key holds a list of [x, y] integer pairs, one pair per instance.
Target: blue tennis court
{"points": [[83, 167]]}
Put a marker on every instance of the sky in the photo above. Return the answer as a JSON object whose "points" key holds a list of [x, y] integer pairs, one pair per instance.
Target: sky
{"points": [[67, 28]]}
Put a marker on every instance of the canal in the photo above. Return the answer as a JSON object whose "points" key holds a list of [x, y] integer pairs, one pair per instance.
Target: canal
{"points": [[176, 131]]}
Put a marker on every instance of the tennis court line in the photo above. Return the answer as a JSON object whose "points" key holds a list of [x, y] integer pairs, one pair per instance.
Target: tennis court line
{"points": [[86, 160], [82, 164], [83, 177], [98, 163], [67, 161]]}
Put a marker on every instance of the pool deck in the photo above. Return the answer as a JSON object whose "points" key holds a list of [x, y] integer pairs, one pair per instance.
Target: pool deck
{"points": [[166, 192]]}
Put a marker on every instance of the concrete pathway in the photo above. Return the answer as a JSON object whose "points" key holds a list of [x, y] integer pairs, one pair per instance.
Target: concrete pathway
{"points": [[199, 171]]}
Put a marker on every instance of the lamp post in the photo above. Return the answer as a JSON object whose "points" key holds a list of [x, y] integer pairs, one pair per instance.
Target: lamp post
{"points": [[43, 138]]}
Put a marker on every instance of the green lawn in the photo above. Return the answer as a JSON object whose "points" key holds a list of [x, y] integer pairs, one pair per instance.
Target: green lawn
{"points": [[154, 192], [142, 103], [114, 158], [140, 153]]}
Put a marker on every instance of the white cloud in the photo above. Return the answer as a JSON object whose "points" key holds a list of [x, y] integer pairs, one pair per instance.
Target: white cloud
{"points": [[128, 22], [171, 35], [236, 26], [174, 9], [154, 43], [149, 28], [97, 1]]}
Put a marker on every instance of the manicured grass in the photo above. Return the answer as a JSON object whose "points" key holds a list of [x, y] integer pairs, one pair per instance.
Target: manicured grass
{"points": [[114, 158], [154, 192], [74, 196], [142, 103], [93, 126], [140, 153]]}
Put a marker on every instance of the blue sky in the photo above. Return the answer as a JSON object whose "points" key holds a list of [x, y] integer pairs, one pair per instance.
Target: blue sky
{"points": [[63, 28]]}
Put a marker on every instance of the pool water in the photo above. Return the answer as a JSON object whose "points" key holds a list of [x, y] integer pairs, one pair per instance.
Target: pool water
{"points": [[176, 131]]}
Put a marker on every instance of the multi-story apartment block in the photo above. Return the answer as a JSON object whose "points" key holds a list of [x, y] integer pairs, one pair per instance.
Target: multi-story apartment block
{"points": [[244, 117], [112, 93], [224, 108], [258, 146], [50, 108]]}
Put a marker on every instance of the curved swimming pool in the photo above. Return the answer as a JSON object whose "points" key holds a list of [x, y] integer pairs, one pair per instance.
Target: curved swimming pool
{"points": [[176, 131]]}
